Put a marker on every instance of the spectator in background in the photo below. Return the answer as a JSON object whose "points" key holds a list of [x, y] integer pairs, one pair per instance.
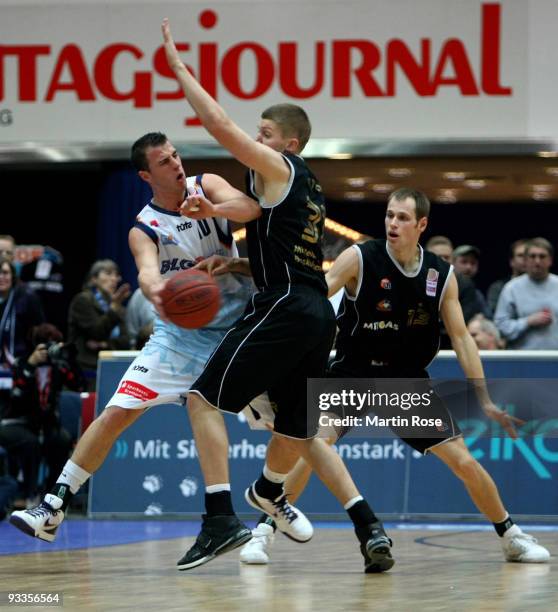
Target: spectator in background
{"points": [[30, 428], [485, 333], [466, 263], [443, 247], [7, 246], [97, 316], [517, 265], [140, 314], [20, 310], [527, 311]]}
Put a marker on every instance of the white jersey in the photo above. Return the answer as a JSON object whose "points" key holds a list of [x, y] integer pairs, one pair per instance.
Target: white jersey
{"points": [[181, 244], [174, 357]]}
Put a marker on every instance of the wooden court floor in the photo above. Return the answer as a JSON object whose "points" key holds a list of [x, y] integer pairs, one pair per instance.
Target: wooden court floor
{"points": [[435, 571]]}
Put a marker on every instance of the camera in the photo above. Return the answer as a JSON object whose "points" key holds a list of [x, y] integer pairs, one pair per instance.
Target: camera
{"points": [[60, 353]]}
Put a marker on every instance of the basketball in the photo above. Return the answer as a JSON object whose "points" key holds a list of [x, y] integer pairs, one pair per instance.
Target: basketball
{"points": [[191, 298]]}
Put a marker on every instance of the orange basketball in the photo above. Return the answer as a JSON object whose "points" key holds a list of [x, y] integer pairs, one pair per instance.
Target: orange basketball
{"points": [[191, 298]]}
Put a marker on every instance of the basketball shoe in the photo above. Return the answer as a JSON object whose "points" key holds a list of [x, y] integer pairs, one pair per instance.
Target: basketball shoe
{"points": [[41, 521], [288, 519], [256, 551], [521, 547], [375, 547], [218, 535]]}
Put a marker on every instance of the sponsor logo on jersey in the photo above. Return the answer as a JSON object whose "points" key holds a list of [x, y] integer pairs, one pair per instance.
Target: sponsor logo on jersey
{"points": [[140, 368], [432, 282], [376, 325], [384, 306], [153, 222], [134, 389], [385, 283], [184, 226], [176, 264], [168, 239], [417, 316]]}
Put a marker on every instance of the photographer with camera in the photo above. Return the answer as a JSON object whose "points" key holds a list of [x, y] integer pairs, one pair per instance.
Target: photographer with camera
{"points": [[30, 428]]}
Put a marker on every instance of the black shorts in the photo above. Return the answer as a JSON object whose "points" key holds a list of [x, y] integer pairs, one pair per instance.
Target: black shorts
{"points": [[283, 338], [422, 438]]}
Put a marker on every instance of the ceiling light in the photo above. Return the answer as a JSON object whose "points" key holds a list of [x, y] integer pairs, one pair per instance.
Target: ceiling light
{"points": [[342, 230], [543, 187], [446, 196], [475, 183], [400, 172], [340, 156], [454, 176], [354, 196], [547, 153], [383, 187], [357, 181], [541, 195], [552, 170]]}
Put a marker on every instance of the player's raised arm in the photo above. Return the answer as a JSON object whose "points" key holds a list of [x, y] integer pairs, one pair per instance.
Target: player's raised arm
{"points": [[344, 272], [264, 160]]}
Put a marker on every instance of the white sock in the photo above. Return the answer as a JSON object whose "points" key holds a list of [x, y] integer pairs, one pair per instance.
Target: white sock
{"points": [[226, 486], [352, 502], [73, 476], [273, 476], [512, 531]]}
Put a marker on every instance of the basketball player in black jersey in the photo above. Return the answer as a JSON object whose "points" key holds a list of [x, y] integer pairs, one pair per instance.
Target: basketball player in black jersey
{"points": [[284, 337], [389, 327]]}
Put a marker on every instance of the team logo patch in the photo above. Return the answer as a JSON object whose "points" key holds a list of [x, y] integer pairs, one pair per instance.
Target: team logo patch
{"points": [[432, 282], [154, 223], [383, 306], [134, 389], [168, 239], [385, 283]]}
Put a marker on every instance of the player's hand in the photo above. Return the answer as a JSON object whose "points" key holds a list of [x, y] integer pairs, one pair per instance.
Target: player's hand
{"points": [[507, 421], [171, 52], [216, 265], [540, 318], [197, 206]]}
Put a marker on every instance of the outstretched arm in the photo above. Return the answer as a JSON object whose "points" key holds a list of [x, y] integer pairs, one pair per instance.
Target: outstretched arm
{"points": [[344, 272], [469, 359], [264, 160]]}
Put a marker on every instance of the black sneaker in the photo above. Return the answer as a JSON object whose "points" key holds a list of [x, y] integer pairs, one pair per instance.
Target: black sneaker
{"points": [[375, 547], [218, 535]]}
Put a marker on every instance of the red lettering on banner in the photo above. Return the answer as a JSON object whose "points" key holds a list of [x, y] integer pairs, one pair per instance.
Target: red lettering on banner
{"points": [[72, 58], [342, 67], [104, 77], [136, 390], [358, 67], [27, 69], [288, 56], [490, 61]]}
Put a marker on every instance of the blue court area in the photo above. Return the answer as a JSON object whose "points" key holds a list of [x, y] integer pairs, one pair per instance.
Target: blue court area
{"points": [[74, 534]]}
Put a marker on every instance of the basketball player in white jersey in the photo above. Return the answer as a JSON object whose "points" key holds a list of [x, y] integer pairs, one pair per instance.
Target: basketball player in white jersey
{"points": [[163, 242]]}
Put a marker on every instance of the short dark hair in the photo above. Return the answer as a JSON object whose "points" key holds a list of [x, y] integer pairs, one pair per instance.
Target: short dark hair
{"points": [[292, 120], [45, 332], [422, 203], [541, 243], [101, 265], [138, 157]]}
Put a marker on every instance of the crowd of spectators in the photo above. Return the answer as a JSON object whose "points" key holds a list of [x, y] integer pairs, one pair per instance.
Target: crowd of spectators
{"points": [[36, 364]]}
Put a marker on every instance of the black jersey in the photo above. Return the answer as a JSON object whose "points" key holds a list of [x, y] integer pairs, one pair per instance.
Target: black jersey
{"points": [[285, 243], [394, 319]]}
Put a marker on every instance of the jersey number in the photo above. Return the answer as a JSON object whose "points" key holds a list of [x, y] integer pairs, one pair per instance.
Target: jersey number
{"points": [[314, 225]]}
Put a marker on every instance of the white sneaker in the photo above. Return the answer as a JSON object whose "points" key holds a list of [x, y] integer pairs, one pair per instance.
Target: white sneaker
{"points": [[289, 520], [256, 551], [41, 521], [520, 547]]}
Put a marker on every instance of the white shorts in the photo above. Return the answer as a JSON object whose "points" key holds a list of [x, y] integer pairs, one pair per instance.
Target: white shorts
{"points": [[161, 375]]}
